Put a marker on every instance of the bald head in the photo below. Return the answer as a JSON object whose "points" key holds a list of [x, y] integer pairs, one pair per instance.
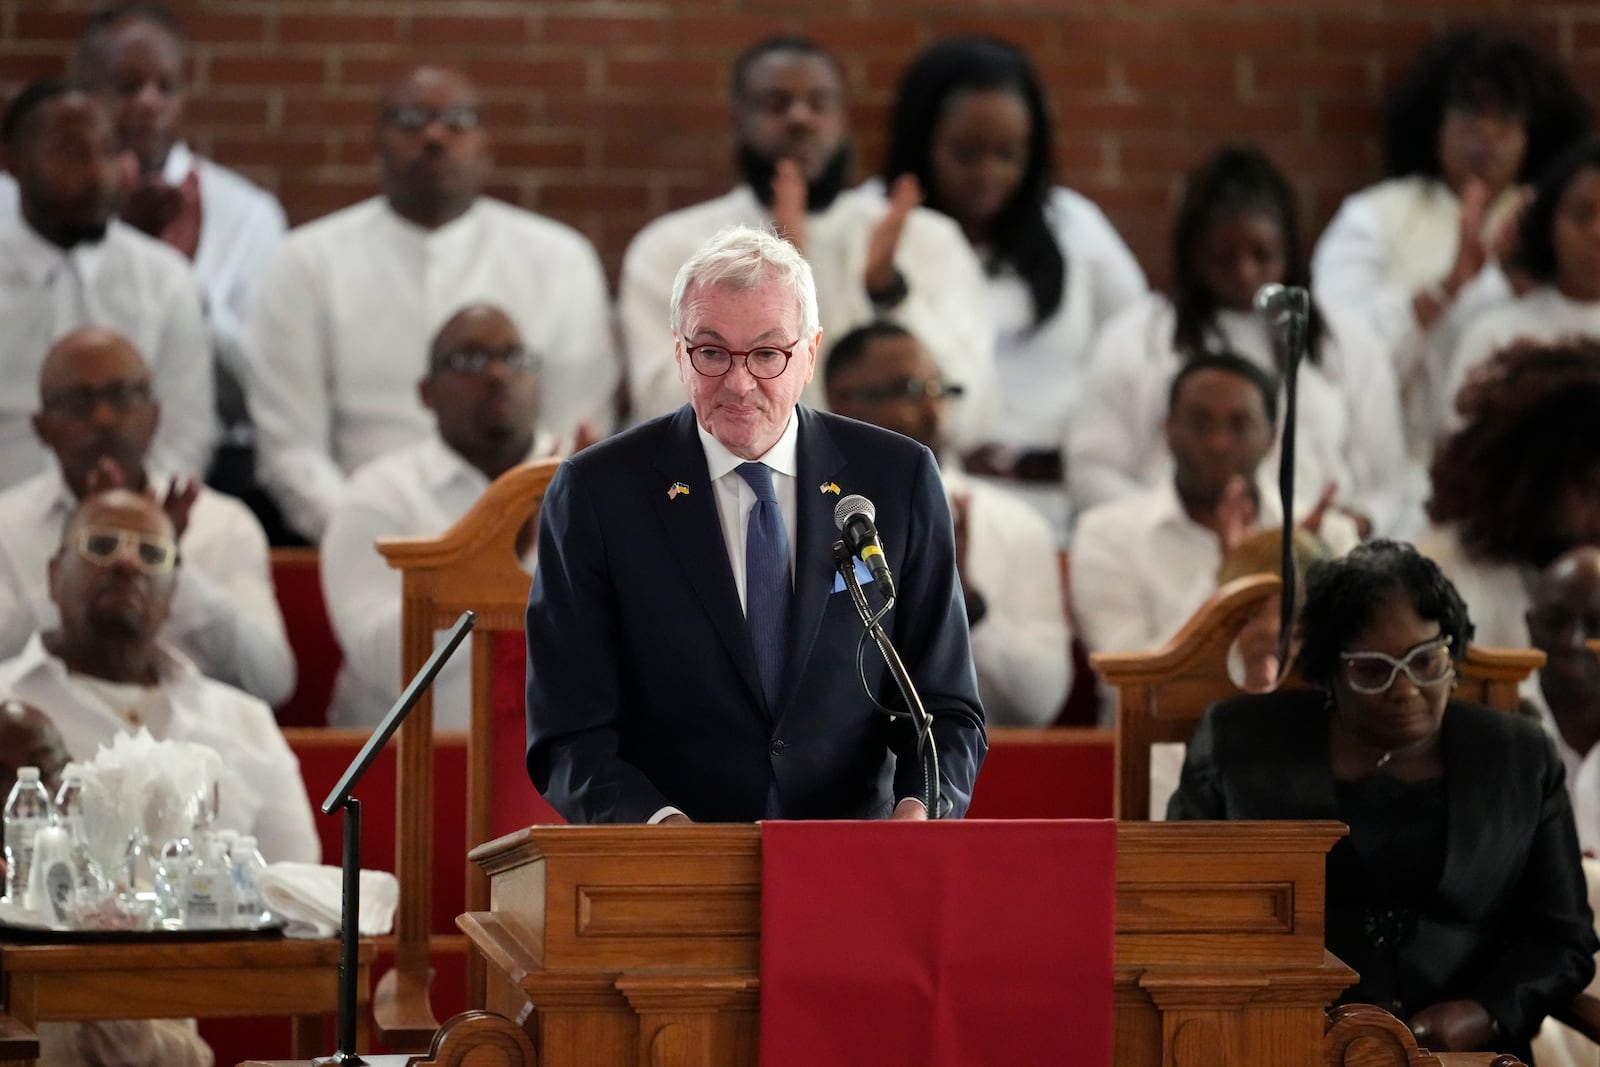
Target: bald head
{"points": [[483, 388], [29, 739], [96, 407], [432, 146]]}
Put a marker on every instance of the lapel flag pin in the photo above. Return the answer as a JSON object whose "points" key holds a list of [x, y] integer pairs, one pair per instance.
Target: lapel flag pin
{"points": [[829, 487], [677, 488]]}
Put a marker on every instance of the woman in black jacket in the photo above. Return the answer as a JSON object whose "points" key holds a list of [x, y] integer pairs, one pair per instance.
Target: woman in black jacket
{"points": [[1458, 896]]}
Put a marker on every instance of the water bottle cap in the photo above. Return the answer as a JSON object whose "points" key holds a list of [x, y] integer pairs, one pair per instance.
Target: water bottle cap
{"points": [[27, 774]]}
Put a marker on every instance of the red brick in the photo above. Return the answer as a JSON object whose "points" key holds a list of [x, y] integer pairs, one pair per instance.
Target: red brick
{"points": [[1389, 34], [1301, 77], [678, 74], [269, 71], [306, 197], [874, 33], [719, 29], [569, 74], [338, 29], [1245, 34], [558, 197], [210, 109], [1094, 34], [1186, 75], [491, 30], [39, 26], [601, 29], [376, 73], [1236, 120], [218, 26], [25, 63], [534, 153], [286, 151]]}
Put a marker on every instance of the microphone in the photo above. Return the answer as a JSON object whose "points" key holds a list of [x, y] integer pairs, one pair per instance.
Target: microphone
{"points": [[1275, 301], [853, 516]]}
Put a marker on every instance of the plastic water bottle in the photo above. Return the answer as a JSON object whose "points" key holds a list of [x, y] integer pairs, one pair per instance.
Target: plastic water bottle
{"points": [[250, 912], [208, 897], [28, 808], [69, 813]]}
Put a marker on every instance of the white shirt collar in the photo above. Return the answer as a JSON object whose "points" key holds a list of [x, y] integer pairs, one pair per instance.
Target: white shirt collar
{"points": [[173, 668], [456, 225], [39, 260], [180, 161], [442, 465], [782, 457]]}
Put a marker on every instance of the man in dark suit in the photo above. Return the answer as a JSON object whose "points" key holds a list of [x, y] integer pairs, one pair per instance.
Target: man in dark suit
{"points": [[691, 653]]}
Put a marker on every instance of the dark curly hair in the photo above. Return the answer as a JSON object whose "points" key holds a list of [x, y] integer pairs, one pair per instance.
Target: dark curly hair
{"points": [[1236, 180], [1536, 246], [1343, 596], [1020, 235], [1481, 69], [785, 44], [1527, 436]]}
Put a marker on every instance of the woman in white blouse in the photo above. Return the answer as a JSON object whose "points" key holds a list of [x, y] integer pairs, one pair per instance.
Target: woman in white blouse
{"points": [[1478, 115], [1236, 231], [971, 123], [1559, 253]]}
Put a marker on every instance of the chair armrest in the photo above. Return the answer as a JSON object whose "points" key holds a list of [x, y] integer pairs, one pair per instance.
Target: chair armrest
{"points": [[17, 1042], [1582, 1015], [401, 1015]]}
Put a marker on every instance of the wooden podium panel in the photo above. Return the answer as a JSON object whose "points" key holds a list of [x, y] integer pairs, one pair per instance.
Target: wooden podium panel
{"points": [[641, 945]]}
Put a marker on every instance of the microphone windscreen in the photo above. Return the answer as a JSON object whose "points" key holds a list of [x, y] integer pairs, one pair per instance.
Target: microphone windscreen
{"points": [[852, 505], [1268, 297]]}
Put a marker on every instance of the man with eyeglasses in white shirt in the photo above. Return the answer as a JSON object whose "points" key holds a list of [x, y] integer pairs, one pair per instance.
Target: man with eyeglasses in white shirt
{"points": [[483, 390], [97, 416], [341, 327]]}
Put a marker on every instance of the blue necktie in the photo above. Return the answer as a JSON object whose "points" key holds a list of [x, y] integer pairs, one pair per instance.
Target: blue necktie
{"points": [[767, 589]]}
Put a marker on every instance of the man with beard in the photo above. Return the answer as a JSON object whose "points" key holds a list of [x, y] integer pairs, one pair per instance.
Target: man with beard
{"points": [[341, 325], [1005, 550], [872, 258], [132, 56], [483, 388], [105, 670], [97, 416], [69, 263]]}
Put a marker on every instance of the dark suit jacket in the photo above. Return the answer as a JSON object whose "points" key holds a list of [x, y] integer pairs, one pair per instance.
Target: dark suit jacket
{"points": [[642, 683], [1508, 924]]}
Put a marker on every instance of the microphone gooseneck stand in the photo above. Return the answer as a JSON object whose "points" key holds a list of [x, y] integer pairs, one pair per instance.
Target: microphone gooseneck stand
{"points": [[1292, 325], [350, 906], [932, 797]]}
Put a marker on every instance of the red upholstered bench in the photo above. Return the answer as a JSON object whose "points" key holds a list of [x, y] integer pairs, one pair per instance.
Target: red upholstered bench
{"points": [[316, 651]]}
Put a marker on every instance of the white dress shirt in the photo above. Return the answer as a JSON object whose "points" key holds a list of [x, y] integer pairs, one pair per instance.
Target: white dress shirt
{"points": [[1542, 314], [420, 490], [1386, 243], [945, 306], [1497, 595], [129, 283], [1022, 645], [261, 791], [224, 613], [1583, 769], [1141, 566], [735, 499], [1349, 426], [339, 335], [241, 225]]}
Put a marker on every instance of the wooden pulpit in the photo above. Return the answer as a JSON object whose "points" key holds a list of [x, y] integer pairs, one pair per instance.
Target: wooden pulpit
{"points": [[637, 945]]}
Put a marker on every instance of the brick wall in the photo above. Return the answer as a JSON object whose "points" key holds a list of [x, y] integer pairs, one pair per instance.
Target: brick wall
{"points": [[608, 112]]}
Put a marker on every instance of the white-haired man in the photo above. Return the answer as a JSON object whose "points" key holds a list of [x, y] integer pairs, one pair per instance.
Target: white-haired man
{"points": [[691, 655]]}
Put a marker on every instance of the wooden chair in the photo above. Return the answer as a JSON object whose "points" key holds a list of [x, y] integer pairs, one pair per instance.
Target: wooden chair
{"points": [[1363, 1035], [472, 566], [1162, 693], [478, 1039]]}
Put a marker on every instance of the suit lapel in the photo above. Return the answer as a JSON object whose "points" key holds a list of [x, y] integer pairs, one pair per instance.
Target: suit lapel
{"points": [[694, 531], [819, 464]]}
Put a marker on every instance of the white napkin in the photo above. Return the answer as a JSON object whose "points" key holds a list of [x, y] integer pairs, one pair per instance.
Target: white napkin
{"points": [[310, 897]]}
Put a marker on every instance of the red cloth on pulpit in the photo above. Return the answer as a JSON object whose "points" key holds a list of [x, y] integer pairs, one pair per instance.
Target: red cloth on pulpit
{"points": [[941, 944]]}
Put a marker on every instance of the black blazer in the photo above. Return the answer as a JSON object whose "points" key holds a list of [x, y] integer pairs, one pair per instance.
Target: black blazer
{"points": [[1509, 923], [642, 682]]}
